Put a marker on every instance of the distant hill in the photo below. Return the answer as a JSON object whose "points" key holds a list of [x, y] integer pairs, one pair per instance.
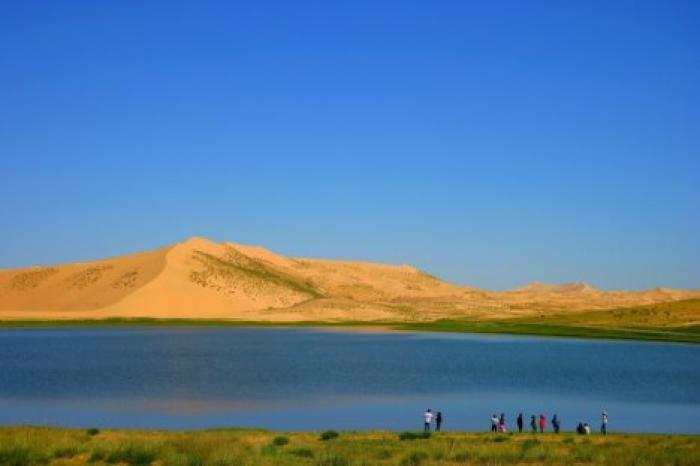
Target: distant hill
{"points": [[202, 279]]}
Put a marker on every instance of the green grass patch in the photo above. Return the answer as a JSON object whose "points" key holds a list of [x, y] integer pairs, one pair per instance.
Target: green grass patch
{"points": [[542, 328], [280, 441], [329, 435], [553, 330], [414, 435], [43, 446]]}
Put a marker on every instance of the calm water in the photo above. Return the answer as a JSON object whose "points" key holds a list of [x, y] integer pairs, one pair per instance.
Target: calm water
{"points": [[314, 379]]}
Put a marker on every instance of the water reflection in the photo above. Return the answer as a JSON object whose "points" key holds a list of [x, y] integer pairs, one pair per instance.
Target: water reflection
{"points": [[313, 378]]}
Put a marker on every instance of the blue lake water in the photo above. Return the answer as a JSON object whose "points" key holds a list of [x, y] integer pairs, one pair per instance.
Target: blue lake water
{"points": [[311, 379]]}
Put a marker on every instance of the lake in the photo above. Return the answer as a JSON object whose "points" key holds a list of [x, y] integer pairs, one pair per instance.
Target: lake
{"points": [[312, 379]]}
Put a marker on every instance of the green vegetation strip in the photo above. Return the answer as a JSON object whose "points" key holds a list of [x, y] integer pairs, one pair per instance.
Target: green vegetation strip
{"points": [[510, 327], [552, 330], [222, 447]]}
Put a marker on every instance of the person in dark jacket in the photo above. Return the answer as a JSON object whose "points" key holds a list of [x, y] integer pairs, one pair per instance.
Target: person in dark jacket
{"points": [[438, 421], [555, 424], [520, 423], [533, 423]]}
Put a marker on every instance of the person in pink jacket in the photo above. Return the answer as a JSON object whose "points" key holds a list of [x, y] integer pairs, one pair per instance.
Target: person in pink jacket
{"points": [[543, 422]]}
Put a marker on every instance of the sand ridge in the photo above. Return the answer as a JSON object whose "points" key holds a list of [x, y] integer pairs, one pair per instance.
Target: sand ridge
{"points": [[198, 278]]}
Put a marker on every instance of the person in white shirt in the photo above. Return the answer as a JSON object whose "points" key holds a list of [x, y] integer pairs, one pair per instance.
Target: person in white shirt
{"points": [[494, 423], [428, 418], [604, 422]]}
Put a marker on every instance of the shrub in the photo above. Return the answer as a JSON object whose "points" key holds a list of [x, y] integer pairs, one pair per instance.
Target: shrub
{"points": [[97, 456], [280, 441], [223, 457], [414, 458], [20, 455], [329, 435], [173, 458], [332, 460], [92, 431], [500, 439], [530, 443], [383, 454], [133, 455], [414, 435], [462, 457], [302, 452], [65, 452]]}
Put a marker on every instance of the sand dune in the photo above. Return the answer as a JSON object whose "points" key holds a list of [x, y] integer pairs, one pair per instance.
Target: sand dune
{"points": [[202, 279]]}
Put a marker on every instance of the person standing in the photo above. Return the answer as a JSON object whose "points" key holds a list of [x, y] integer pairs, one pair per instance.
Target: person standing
{"points": [[520, 423], [533, 424], [428, 419], [502, 423], [543, 423], [438, 421], [494, 423], [555, 424], [604, 423]]}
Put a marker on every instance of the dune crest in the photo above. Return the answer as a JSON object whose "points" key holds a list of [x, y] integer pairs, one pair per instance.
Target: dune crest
{"points": [[198, 278]]}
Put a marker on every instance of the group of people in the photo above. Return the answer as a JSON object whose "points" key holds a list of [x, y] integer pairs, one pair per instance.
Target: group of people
{"points": [[498, 423], [428, 420]]}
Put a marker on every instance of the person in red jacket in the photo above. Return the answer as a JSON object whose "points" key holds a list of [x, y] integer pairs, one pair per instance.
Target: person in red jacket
{"points": [[543, 422]]}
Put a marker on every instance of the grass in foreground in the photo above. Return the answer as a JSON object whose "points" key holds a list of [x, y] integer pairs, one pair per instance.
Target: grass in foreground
{"points": [[41, 446]]}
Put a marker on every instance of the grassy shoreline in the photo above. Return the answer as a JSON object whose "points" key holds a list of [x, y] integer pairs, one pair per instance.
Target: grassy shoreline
{"points": [[505, 327], [223, 447]]}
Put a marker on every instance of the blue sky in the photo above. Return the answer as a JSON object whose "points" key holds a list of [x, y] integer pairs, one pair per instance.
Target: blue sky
{"points": [[490, 143]]}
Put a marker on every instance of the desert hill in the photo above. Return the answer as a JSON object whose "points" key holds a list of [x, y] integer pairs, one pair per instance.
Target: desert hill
{"points": [[202, 279]]}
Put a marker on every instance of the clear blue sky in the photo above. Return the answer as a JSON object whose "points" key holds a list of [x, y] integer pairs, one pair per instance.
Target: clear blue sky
{"points": [[490, 143]]}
